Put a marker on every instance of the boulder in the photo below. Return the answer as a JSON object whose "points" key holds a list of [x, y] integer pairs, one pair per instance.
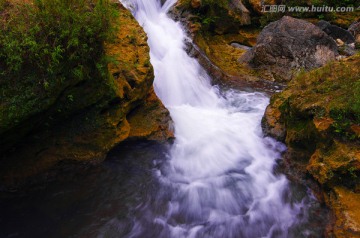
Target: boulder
{"points": [[288, 45], [336, 32]]}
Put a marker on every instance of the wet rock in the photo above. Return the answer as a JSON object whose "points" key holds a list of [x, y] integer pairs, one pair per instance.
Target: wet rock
{"points": [[150, 121], [336, 32], [272, 122], [288, 45]]}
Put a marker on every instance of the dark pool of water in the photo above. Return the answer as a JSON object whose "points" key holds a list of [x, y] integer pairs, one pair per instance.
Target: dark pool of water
{"points": [[97, 201]]}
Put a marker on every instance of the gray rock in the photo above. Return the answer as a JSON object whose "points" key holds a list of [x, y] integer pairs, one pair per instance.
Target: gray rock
{"points": [[336, 32], [354, 29], [290, 44], [240, 46]]}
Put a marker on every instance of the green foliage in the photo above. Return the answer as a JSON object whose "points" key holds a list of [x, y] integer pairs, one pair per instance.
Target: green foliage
{"points": [[222, 3], [355, 102], [48, 39], [342, 123], [352, 171], [332, 91], [208, 14]]}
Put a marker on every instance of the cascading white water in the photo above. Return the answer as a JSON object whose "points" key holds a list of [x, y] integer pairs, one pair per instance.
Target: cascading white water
{"points": [[219, 180]]}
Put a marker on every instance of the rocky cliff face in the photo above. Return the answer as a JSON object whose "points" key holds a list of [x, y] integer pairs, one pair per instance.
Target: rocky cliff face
{"points": [[83, 120], [318, 117]]}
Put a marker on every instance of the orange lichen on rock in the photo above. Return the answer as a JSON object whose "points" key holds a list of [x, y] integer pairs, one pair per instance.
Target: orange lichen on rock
{"points": [[150, 120], [322, 124], [330, 165], [345, 204]]}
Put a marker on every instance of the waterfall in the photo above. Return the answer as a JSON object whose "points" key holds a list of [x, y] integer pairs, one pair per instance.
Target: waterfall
{"points": [[218, 180]]}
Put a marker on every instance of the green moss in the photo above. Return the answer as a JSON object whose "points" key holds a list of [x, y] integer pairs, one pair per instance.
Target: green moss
{"points": [[214, 15], [48, 47], [331, 91]]}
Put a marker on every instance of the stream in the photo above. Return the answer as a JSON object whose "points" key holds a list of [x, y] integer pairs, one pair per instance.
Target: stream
{"points": [[217, 180]]}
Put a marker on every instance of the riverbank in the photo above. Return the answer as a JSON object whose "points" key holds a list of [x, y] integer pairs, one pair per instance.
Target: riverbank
{"points": [[82, 107]]}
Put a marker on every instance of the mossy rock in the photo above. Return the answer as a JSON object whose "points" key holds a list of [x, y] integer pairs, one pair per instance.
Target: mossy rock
{"points": [[220, 16], [318, 116], [84, 119]]}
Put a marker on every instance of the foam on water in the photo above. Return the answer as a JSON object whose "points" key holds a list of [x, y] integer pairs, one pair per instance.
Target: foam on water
{"points": [[219, 180]]}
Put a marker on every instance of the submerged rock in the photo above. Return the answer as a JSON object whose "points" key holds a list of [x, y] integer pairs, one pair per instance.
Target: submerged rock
{"points": [[288, 45]]}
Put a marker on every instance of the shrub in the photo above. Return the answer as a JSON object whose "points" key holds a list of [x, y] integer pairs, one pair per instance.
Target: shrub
{"points": [[47, 39]]}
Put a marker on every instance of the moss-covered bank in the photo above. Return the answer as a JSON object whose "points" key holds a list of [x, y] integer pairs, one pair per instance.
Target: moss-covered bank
{"points": [[318, 117], [82, 110]]}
